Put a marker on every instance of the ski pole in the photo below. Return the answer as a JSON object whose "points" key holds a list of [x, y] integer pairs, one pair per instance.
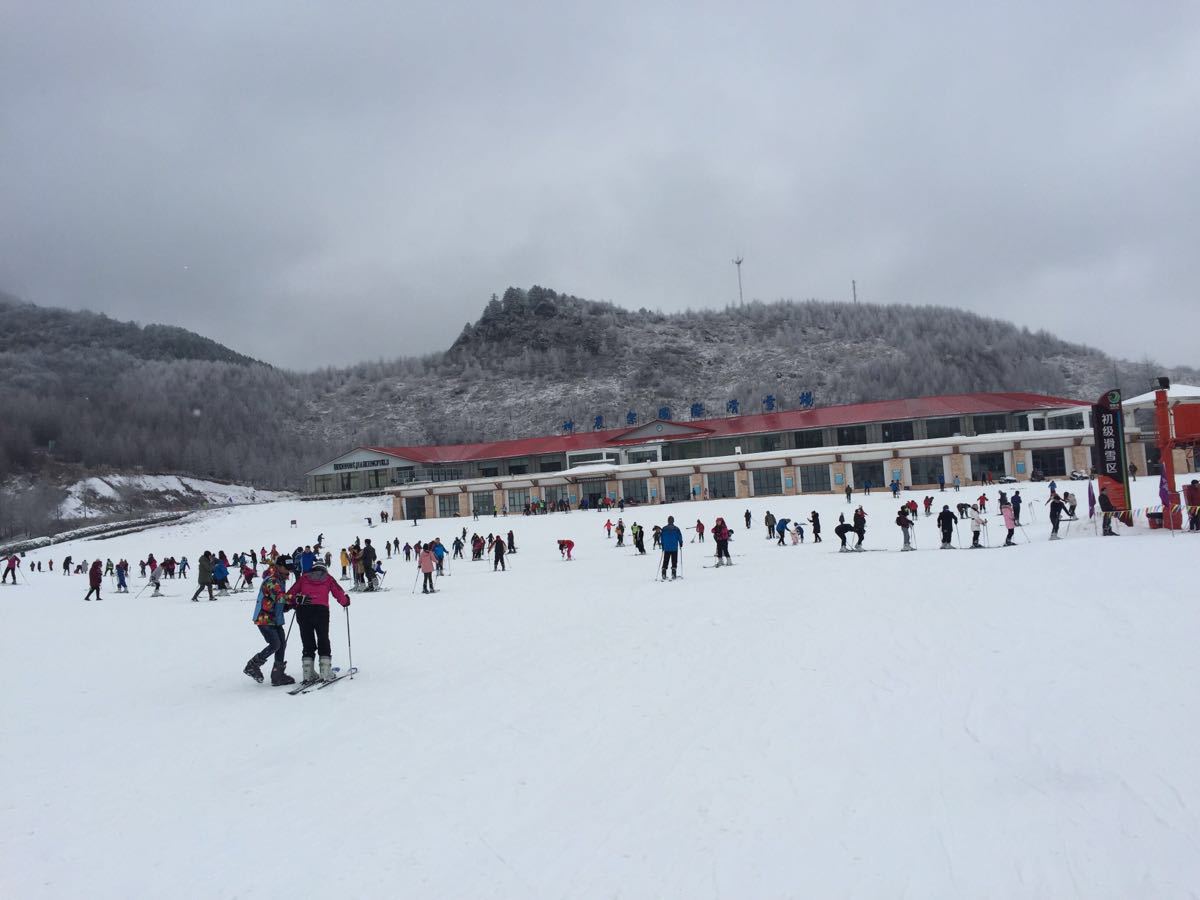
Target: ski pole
{"points": [[289, 629], [957, 536], [349, 648], [987, 536], [661, 557], [415, 580]]}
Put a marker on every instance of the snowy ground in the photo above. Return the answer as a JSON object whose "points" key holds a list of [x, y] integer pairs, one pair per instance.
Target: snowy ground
{"points": [[1005, 723]]}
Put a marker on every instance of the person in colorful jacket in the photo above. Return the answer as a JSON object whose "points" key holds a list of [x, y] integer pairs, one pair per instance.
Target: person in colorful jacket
{"points": [[269, 610], [311, 593]]}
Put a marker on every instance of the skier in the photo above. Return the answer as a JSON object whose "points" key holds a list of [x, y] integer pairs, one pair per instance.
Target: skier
{"points": [[769, 521], [204, 575], [184, 565], [408, 549], [815, 521], [957, 483], [269, 610], [639, 539], [656, 534], [498, 553], [457, 546], [512, 544], [1010, 522], [11, 569], [220, 575], [977, 523], [95, 577], [565, 547], [1107, 508], [941, 482], [781, 529], [1016, 506], [860, 527], [748, 520], [1069, 499], [425, 563], [608, 527], [311, 593], [982, 503], [699, 531], [249, 573], [946, 521], [841, 531], [1056, 510], [439, 555], [928, 502], [848, 492], [672, 540], [895, 489], [122, 572], [721, 534], [156, 580], [905, 526], [368, 564]]}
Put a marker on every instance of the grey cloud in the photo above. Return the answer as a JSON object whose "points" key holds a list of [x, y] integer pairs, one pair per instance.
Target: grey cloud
{"points": [[325, 183]]}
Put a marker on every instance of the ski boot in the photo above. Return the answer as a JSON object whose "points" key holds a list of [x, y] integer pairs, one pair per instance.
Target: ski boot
{"points": [[307, 674], [279, 676], [326, 669], [254, 669]]}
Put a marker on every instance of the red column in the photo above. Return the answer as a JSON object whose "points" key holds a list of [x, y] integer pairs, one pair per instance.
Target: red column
{"points": [[1172, 517]]}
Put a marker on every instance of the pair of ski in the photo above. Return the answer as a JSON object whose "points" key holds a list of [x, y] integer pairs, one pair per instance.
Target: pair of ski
{"points": [[317, 685]]}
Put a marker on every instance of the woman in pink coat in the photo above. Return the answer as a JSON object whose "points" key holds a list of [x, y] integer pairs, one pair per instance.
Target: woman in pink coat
{"points": [[427, 562], [1010, 522], [310, 594]]}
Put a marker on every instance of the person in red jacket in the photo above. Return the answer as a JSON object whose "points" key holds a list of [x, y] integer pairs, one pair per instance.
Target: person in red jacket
{"points": [[721, 534], [565, 547], [11, 568], [310, 594], [700, 531], [95, 577], [1191, 499]]}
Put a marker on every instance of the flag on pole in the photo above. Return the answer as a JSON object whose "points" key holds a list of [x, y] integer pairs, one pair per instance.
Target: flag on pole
{"points": [[1091, 501]]}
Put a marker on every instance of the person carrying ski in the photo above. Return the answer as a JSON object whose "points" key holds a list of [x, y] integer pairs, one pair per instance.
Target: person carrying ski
{"points": [[270, 607], [95, 577], [565, 547], [905, 525], [860, 527], [672, 540], [425, 563], [781, 529], [310, 594], [204, 575], [977, 523], [815, 521], [721, 534], [1010, 522], [946, 521]]}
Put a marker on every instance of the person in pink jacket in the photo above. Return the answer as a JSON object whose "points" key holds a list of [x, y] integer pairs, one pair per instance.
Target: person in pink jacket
{"points": [[427, 562], [310, 594], [1010, 522]]}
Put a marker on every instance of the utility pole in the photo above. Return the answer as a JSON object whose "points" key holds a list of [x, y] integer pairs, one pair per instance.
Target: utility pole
{"points": [[854, 290], [738, 262]]}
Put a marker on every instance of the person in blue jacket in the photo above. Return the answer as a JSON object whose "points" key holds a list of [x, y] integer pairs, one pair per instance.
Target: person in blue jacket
{"points": [[672, 539], [439, 554], [220, 575], [307, 558], [781, 529]]}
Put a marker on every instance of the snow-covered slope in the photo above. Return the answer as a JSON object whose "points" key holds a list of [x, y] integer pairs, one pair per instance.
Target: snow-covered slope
{"points": [[95, 496], [1003, 723]]}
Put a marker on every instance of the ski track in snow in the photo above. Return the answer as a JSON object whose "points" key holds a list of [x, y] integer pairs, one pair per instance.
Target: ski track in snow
{"points": [[803, 724]]}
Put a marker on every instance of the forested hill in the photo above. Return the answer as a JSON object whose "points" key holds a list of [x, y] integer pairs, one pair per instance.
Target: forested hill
{"points": [[80, 390]]}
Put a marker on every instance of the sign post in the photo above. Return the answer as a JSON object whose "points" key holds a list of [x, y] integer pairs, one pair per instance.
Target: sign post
{"points": [[1108, 431]]}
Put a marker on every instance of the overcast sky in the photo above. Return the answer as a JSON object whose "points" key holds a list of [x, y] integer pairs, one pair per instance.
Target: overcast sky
{"points": [[328, 182]]}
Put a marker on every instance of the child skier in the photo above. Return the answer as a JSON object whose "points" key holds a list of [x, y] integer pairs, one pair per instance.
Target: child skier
{"points": [[269, 610]]}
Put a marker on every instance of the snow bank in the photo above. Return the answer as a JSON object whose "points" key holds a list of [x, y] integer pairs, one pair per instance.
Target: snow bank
{"points": [[1003, 723], [95, 497]]}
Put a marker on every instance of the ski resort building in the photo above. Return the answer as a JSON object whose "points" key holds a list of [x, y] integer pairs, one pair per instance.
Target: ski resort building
{"points": [[818, 450]]}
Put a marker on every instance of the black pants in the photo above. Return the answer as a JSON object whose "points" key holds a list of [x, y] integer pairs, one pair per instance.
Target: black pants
{"points": [[723, 550], [1009, 538], [861, 534], [945, 535], [1054, 524], [499, 562], [7, 572], [89, 593], [275, 638], [427, 584], [816, 535], [670, 558], [313, 621], [200, 590], [974, 538]]}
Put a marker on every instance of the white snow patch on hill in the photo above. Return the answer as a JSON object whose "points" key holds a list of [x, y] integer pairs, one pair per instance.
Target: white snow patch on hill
{"points": [[102, 496], [1016, 723]]}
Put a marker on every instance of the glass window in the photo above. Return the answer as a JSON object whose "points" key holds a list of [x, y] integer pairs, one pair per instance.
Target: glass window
{"points": [[489, 471], [852, 434], [1039, 424], [990, 424], [414, 508], [345, 479], [867, 474], [943, 428], [557, 492], [676, 488], [447, 506], [1050, 462], [722, 484], [813, 438], [517, 498], [727, 446], [635, 489], [926, 469], [897, 431], [766, 442], [641, 456], [518, 469], [989, 463], [483, 503], [1072, 421], [684, 450], [592, 491], [554, 466], [768, 481], [814, 479]]}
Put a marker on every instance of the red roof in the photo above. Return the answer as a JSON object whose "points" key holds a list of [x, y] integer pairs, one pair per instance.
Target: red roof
{"points": [[790, 420]]}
